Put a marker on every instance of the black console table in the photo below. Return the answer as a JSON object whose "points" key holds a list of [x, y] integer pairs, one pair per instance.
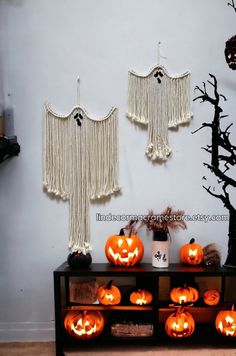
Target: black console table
{"points": [[146, 277]]}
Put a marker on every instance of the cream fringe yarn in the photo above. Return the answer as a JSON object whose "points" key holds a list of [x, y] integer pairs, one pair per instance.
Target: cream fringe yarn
{"points": [[160, 105], [80, 163]]}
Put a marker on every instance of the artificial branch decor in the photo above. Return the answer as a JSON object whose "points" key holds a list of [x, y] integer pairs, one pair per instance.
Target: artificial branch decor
{"points": [[223, 157], [232, 4], [167, 219]]}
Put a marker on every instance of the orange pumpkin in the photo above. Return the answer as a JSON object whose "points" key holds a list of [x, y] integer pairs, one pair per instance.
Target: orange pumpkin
{"points": [[124, 250], [182, 295], [191, 253], [141, 297], [109, 294], [226, 322], [180, 324], [84, 324], [211, 297]]}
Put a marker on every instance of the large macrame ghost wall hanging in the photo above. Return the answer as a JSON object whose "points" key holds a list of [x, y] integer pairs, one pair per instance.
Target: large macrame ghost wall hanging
{"points": [[80, 163], [160, 101]]}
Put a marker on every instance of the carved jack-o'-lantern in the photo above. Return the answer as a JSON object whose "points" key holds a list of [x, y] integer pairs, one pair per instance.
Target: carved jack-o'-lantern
{"points": [[230, 52], [109, 294], [84, 324], [226, 322], [180, 324], [124, 250], [182, 295], [211, 297], [141, 297], [191, 253]]}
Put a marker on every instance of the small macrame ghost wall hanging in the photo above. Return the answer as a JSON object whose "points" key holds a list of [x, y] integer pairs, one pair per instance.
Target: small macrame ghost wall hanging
{"points": [[80, 163], [160, 101]]}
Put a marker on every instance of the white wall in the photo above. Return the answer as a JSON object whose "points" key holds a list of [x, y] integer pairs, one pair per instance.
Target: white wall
{"points": [[44, 46]]}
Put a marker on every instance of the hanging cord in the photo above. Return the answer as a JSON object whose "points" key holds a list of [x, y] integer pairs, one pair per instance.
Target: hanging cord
{"points": [[78, 91]]}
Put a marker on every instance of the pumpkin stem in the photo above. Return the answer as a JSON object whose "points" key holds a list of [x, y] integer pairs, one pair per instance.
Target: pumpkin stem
{"points": [[192, 241], [122, 233], [109, 284], [232, 307]]}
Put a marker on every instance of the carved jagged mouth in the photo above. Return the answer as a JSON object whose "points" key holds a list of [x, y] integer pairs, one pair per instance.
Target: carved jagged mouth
{"points": [[130, 255], [141, 301], [232, 64], [83, 331]]}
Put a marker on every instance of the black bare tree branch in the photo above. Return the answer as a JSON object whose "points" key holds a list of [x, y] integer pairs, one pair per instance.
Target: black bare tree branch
{"points": [[232, 4], [220, 162]]}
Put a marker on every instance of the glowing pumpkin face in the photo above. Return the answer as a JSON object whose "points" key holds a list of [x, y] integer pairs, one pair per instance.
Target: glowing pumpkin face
{"points": [[84, 324], [211, 297], [109, 294], [182, 295], [141, 297], [191, 254], [226, 322], [180, 324], [123, 250]]}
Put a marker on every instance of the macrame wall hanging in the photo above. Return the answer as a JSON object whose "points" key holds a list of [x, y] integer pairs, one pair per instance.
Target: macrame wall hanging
{"points": [[160, 101], [80, 163]]}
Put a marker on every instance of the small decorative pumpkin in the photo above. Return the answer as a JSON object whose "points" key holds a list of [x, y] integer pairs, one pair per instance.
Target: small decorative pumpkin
{"points": [[226, 322], [141, 297], [124, 250], [109, 294], [180, 324], [191, 253], [211, 297], [84, 324], [78, 259], [182, 295], [230, 52]]}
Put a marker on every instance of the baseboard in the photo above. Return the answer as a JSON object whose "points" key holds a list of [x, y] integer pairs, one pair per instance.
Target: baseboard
{"points": [[27, 331]]}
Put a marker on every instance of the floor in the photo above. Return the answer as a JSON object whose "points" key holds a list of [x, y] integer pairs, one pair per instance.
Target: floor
{"points": [[48, 349]]}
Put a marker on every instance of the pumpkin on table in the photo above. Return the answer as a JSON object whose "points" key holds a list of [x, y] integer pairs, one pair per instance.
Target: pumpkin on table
{"points": [[84, 324], [141, 297], [182, 295], [226, 322], [180, 324], [109, 294], [124, 250], [211, 297], [78, 259], [191, 253]]}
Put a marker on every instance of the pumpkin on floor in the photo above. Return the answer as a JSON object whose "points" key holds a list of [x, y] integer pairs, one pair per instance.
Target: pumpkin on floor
{"points": [[226, 322], [84, 324], [124, 250], [191, 253], [180, 324], [109, 294], [211, 297], [141, 297], [182, 295]]}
